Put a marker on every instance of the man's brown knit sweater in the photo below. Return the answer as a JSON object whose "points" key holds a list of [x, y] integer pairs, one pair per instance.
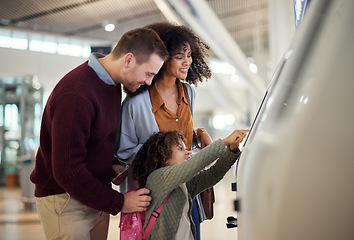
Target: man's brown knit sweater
{"points": [[79, 126]]}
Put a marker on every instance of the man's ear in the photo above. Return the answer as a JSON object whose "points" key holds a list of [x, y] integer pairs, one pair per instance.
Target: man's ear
{"points": [[128, 58]]}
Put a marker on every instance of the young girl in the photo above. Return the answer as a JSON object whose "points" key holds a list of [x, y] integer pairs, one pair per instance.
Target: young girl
{"points": [[164, 166]]}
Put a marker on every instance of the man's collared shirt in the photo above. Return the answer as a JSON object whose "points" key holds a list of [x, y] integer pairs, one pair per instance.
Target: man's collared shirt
{"points": [[99, 69]]}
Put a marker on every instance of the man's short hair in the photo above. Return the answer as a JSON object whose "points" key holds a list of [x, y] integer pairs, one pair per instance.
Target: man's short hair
{"points": [[142, 42]]}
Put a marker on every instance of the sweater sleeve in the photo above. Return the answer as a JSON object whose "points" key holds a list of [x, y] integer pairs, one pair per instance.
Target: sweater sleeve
{"points": [[173, 176], [70, 137], [211, 176]]}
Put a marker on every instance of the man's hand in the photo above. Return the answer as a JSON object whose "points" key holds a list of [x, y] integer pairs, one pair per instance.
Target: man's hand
{"points": [[136, 201]]}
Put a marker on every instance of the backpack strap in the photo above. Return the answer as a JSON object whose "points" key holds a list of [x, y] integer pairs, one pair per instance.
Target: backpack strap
{"points": [[155, 214]]}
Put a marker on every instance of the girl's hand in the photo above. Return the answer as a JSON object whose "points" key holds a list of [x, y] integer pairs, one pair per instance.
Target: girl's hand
{"points": [[234, 139]]}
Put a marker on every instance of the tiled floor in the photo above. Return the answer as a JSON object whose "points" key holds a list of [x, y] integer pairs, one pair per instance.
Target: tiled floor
{"points": [[18, 222]]}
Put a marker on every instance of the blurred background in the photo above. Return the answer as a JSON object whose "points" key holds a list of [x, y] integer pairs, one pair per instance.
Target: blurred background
{"points": [[40, 41]]}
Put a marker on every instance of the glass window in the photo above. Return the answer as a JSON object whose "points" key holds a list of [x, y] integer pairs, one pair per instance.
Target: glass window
{"points": [[75, 49], [1, 115], [49, 44], [44, 43], [19, 40], [63, 46], [5, 38], [11, 118], [36, 42], [86, 51]]}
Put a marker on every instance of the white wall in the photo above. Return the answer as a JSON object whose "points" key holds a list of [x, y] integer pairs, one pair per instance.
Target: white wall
{"points": [[281, 29], [49, 68]]}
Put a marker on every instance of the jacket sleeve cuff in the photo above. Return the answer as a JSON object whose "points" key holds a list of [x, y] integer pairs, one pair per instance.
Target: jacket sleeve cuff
{"points": [[236, 153], [117, 204]]}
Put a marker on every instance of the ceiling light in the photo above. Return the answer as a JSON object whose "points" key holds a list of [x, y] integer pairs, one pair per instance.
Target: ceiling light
{"points": [[253, 67], [109, 27]]}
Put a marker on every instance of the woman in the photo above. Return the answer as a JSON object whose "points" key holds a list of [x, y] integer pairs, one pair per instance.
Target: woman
{"points": [[165, 106]]}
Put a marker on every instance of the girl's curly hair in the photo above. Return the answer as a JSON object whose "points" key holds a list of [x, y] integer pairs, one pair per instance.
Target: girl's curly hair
{"points": [[154, 153], [174, 37]]}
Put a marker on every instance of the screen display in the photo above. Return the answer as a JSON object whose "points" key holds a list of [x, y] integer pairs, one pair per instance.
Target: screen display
{"points": [[299, 10]]}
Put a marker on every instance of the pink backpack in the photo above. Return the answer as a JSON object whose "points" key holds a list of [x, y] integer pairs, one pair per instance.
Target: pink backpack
{"points": [[131, 224]]}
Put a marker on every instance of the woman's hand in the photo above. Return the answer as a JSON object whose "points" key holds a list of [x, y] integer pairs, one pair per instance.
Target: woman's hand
{"points": [[234, 139], [205, 140]]}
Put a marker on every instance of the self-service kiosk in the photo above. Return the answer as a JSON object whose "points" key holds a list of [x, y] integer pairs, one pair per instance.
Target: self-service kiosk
{"points": [[295, 176]]}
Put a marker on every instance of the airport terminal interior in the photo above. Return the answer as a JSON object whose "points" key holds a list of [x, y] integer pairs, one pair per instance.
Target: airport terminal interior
{"points": [[40, 41]]}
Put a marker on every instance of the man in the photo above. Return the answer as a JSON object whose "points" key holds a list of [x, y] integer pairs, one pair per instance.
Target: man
{"points": [[74, 169]]}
